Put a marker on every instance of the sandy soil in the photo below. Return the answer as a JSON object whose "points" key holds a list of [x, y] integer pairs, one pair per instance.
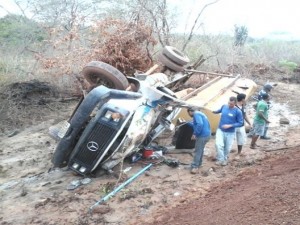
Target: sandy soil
{"points": [[260, 187]]}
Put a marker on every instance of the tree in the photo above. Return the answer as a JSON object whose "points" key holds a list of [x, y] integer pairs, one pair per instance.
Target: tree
{"points": [[240, 35], [19, 32]]}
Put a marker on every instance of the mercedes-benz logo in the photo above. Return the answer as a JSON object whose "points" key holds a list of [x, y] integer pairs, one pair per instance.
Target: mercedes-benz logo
{"points": [[92, 146]]}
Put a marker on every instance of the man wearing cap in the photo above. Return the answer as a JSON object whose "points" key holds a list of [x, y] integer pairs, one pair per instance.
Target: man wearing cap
{"points": [[260, 119], [231, 117], [266, 90], [201, 134]]}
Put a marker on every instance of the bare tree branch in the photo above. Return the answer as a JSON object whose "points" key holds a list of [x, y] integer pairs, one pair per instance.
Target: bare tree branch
{"points": [[201, 60], [195, 23], [159, 20], [8, 12], [20, 8]]}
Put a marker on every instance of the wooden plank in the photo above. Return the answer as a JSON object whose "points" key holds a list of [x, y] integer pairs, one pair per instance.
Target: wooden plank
{"points": [[193, 93], [223, 90], [152, 69]]}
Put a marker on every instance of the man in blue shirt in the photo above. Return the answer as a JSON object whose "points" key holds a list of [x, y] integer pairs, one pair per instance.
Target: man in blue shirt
{"points": [[231, 117], [201, 134]]}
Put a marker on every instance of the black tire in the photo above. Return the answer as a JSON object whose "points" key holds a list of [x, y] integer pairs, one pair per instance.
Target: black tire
{"points": [[169, 63], [100, 73], [175, 55], [183, 139]]}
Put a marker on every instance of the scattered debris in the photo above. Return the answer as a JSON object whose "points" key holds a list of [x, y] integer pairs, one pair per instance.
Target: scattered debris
{"points": [[86, 180], [23, 192], [127, 169], [76, 183], [177, 193], [42, 202], [46, 183], [15, 132], [284, 120], [208, 172]]}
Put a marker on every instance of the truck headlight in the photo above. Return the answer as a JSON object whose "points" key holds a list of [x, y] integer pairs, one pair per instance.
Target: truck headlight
{"points": [[75, 165], [82, 169]]}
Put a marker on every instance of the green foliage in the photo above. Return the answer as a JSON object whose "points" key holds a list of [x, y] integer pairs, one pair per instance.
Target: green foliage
{"points": [[3, 66], [291, 66], [16, 31], [240, 35]]}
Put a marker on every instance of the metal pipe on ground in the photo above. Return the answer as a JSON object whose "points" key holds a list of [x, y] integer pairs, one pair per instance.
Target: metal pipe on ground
{"points": [[116, 190]]}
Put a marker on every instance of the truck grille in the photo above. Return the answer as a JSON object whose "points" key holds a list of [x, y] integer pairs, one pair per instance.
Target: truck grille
{"points": [[101, 134]]}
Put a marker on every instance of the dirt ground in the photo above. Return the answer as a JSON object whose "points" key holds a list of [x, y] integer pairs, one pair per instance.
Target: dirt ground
{"points": [[259, 187], [267, 193]]}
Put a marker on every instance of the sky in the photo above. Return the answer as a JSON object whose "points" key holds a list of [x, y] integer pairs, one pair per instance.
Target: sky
{"points": [[263, 18]]}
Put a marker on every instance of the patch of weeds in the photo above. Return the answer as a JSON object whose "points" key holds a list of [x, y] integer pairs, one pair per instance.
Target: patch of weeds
{"points": [[147, 205], [107, 188], [127, 194], [164, 199], [82, 221], [245, 163], [146, 191]]}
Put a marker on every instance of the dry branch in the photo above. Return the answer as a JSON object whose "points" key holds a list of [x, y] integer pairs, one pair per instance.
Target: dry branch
{"points": [[195, 23], [282, 148]]}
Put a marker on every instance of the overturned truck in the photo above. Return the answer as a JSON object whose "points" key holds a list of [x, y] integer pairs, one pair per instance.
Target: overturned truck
{"points": [[121, 115]]}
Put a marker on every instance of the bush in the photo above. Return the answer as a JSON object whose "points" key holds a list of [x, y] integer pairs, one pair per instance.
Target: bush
{"points": [[290, 66]]}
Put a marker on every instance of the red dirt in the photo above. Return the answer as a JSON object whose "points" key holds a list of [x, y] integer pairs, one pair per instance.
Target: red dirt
{"points": [[267, 194]]}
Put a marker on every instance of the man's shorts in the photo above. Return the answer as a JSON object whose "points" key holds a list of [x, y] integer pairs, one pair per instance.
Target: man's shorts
{"points": [[258, 128], [240, 133]]}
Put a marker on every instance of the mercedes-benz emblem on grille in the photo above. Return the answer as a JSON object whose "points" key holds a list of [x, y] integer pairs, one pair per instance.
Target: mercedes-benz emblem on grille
{"points": [[92, 146]]}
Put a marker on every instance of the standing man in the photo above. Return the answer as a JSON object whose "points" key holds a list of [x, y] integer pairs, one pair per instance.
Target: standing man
{"points": [[260, 119], [231, 117], [201, 134], [240, 132], [266, 90]]}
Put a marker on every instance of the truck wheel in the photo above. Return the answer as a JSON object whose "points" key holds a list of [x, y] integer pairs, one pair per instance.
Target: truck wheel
{"points": [[170, 64], [183, 139], [100, 73], [175, 55]]}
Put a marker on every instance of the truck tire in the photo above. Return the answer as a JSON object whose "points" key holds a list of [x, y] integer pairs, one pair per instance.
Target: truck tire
{"points": [[175, 55], [100, 73], [170, 64], [183, 138]]}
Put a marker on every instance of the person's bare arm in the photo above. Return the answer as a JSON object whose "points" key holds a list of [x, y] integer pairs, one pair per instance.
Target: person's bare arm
{"points": [[260, 113]]}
